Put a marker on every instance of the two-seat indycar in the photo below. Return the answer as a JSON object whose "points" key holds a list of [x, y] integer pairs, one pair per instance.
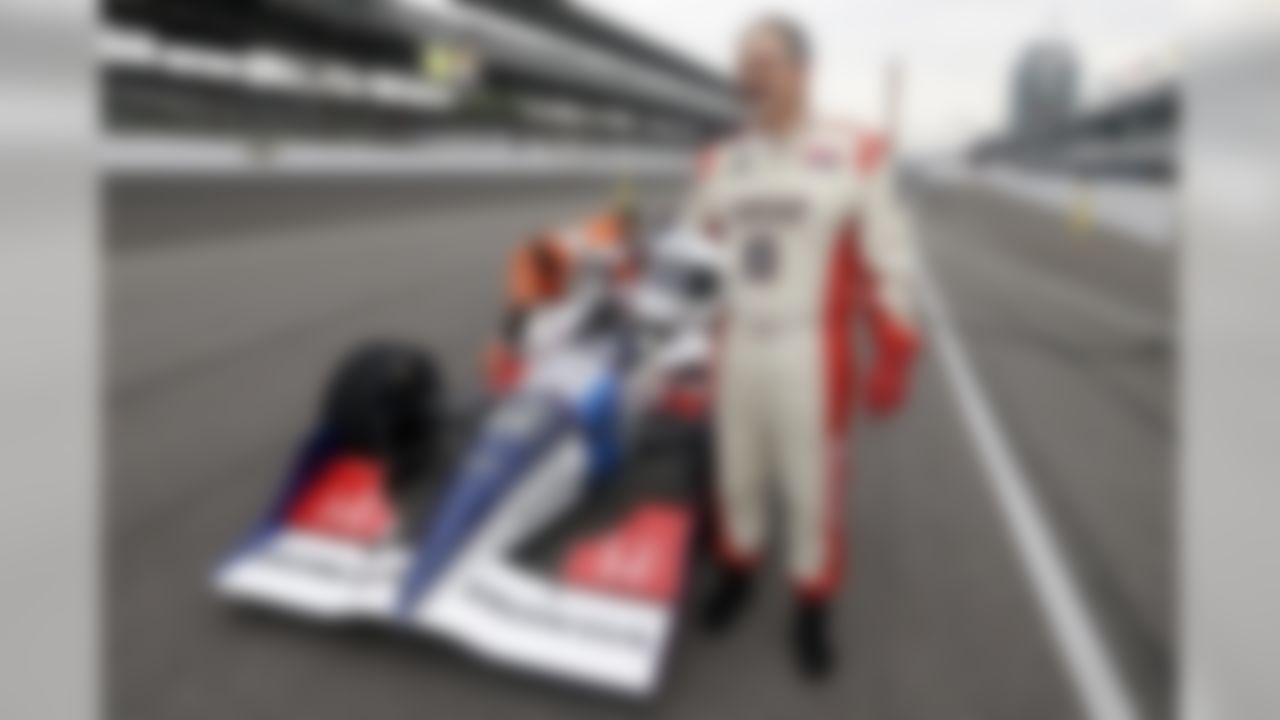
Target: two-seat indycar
{"points": [[537, 546]]}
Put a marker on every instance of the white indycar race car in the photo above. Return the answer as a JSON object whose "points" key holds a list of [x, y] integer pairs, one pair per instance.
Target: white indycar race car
{"points": [[498, 565]]}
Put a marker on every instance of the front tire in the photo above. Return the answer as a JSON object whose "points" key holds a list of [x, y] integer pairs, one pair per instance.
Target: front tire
{"points": [[386, 399]]}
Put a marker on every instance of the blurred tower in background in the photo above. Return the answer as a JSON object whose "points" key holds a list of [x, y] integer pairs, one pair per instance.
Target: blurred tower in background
{"points": [[894, 90], [1045, 88]]}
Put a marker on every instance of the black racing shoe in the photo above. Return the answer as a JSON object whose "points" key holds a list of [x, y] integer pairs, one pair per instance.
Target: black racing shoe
{"points": [[811, 640], [727, 599]]}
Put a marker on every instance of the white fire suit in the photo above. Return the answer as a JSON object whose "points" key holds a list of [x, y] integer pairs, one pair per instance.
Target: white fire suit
{"points": [[814, 237]]}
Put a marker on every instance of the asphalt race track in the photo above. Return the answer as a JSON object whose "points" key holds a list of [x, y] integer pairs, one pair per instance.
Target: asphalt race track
{"points": [[227, 302]]}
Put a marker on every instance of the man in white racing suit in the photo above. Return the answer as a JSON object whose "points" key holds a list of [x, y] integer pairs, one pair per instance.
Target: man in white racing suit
{"points": [[813, 238]]}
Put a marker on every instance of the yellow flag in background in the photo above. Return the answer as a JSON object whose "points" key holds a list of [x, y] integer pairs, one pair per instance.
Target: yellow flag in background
{"points": [[1081, 215], [448, 63]]}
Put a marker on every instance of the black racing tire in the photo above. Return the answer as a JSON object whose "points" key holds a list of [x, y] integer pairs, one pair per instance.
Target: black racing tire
{"points": [[387, 399]]}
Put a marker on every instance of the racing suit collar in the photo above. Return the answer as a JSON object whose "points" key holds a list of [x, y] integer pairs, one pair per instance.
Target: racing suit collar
{"points": [[784, 139]]}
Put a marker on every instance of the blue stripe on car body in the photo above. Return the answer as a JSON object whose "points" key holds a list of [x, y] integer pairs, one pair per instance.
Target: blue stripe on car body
{"points": [[495, 463], [302, 471], [599, 411]]}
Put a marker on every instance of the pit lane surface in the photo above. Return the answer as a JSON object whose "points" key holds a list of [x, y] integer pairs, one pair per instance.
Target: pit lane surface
{"points": [[228, 302]]}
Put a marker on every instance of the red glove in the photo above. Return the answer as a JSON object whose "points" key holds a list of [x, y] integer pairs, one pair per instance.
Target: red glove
{"points": [[897, 346], [503, 367]]}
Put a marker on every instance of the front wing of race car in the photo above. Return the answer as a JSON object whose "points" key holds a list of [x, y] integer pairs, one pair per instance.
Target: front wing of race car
{"points": [[605, 624], [331, 547]]}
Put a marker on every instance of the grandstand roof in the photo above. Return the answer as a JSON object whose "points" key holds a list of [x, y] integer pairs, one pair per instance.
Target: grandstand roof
{"points": [[352, 28], [573, 55], [564, 17]]}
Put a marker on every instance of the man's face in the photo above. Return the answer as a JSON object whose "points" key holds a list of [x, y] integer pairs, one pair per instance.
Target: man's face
{"points": [[770, 78]]}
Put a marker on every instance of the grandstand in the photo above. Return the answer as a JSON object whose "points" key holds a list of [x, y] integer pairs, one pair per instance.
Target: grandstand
{"points": [[387, 70]]}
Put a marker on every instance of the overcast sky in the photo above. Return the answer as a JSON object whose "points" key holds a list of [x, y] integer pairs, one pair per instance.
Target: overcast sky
{"points": [[957, 53]]}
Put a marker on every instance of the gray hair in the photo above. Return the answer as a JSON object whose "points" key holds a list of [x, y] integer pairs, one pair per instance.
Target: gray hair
{"points": [[792, 34]]}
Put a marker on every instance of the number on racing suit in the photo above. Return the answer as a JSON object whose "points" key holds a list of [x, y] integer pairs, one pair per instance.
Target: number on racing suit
{"points": [[760, 258]]}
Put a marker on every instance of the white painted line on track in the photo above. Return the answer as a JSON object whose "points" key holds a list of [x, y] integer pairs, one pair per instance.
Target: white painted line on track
{"points": [[1102, 692]]}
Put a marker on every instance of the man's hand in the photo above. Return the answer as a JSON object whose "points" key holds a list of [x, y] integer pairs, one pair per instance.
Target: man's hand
{"points": [[503, 367]]}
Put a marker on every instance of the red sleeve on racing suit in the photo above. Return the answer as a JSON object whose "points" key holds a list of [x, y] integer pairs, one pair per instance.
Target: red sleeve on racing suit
{"points": [[895, 342], [870, 153], [845, 284]]}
